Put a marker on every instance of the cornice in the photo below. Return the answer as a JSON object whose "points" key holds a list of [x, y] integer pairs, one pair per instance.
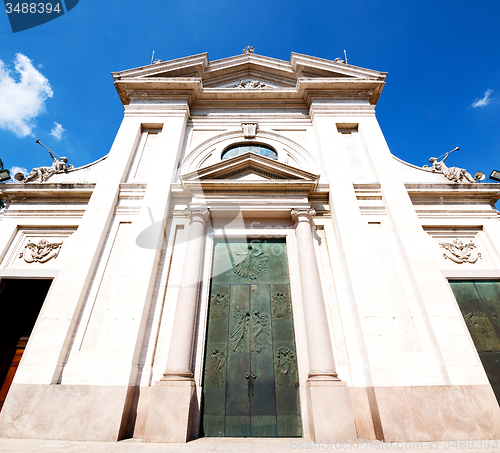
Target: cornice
{"points": [[452, 193], [311, 75], [28, 192]]}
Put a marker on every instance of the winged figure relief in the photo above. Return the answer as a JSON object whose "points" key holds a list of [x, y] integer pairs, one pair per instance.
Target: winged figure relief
{"points": [[459, 252], [250, 261]]}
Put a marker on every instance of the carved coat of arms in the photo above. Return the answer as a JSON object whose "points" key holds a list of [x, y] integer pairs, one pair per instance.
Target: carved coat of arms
{"points": [[459, 252], [41, 252]]}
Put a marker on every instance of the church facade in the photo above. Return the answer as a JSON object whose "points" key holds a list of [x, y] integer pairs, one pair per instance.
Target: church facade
{"points": [[250, 260]]}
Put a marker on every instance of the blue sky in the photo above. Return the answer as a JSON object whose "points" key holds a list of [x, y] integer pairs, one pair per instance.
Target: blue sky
{"points": [[443, 60]]}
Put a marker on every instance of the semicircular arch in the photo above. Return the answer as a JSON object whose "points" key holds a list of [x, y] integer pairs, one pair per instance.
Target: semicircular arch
{"points": [[210, 151]]}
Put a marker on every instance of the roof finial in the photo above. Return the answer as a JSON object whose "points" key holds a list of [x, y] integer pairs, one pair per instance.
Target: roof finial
{"points": [[248, 50]]}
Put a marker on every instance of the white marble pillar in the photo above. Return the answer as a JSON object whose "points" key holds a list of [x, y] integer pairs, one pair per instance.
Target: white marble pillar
{"points": [[169, 416], [321, 362], [332, 415], [180, 354]]}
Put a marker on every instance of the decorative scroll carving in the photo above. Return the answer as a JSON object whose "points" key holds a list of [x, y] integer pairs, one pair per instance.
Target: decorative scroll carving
{"points": [[41, 252], [251, 84], [238, 333], [215, 368], [248, 50], [285, 368], [261, 338], [280, 306], [251, 261], [308, 213], [249, 129], [219, 306], [459, 252], [482, 331], [202, 212]]}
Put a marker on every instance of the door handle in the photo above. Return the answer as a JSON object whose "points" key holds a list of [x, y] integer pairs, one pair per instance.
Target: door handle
{"points": [[250, 383]]}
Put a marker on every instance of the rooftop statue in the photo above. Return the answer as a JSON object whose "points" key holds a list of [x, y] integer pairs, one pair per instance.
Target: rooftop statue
{"points": [[455, 174], [41, 174]]}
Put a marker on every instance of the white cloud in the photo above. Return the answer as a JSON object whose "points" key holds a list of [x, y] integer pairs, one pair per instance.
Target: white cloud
{"points": [[15, 170], [22, 96], [57, 130], [484, 101]]}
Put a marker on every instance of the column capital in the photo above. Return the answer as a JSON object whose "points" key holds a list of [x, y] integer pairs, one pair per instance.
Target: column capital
{"points": [[302, 214], [202, 212]]}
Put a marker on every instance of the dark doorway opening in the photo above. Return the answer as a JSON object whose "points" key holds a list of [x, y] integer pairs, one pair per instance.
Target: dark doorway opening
{"points": [[20, 304]]}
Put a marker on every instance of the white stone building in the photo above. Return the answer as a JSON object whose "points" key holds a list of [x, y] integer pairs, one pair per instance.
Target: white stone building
{"points": [[250, 260]]}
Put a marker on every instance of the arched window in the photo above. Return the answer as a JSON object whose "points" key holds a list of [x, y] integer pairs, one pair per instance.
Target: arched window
{"points": [[265, 151]]}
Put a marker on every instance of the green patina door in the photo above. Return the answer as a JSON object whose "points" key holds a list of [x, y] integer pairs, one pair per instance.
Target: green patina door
{"points": [[479, 302], [250, 380]]}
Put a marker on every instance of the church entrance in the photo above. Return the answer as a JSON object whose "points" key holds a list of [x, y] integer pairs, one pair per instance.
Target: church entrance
{"points": [[250, 380], [20, 304], [479, 302]]}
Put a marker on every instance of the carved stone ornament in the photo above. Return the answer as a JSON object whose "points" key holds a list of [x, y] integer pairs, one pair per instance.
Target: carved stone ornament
{"points": [[251, 84], [41, 252], [249, 129], [248, 50], [250, 261], [41, 174], [202, 212], [307, 213], [459, 252], [454, 174], [285, 368]]}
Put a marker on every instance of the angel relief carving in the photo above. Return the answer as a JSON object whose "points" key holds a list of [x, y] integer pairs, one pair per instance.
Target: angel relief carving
{"points": [[257, 323], [459, 252], [285, 366], [251, 261], [41, 252], [215, 369], [251, 84]]}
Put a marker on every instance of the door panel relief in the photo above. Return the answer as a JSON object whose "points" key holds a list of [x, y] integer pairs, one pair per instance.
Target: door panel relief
{"points": [[250, 385]]}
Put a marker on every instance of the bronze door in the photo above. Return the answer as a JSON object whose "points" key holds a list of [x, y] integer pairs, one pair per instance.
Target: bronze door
{"points": [[250, 383], [479, 302]]}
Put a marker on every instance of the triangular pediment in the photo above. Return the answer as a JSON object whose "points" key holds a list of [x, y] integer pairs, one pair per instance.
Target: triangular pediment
{"points": [[249, 166], [249, 172]]}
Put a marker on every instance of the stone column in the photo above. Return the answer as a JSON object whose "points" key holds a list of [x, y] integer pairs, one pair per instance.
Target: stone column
{"points": [[169, 413], [179, 357], [321, 362], [332, 417]]}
